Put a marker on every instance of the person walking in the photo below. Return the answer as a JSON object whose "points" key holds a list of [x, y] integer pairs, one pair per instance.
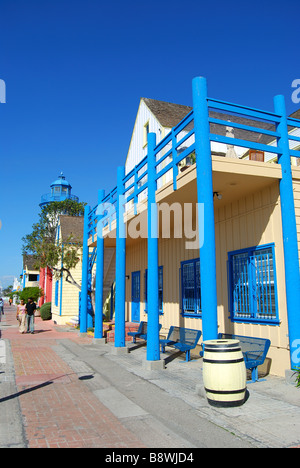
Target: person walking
{"points": [[21, 316], [1, 307], [30, 309]]}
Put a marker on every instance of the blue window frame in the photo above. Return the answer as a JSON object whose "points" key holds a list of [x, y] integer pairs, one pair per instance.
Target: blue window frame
{"points": [[252, 285], [160, 290], [190, 288]]}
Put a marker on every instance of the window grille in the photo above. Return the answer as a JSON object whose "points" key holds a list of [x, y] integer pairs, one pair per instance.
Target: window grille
{"points": [[160, 290], [190, 288], [252, 285]]}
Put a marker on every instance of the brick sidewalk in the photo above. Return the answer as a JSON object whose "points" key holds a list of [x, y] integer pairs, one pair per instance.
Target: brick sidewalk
{"points": [[59, 411]]}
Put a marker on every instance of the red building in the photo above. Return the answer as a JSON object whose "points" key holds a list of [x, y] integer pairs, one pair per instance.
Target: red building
{"points": [[45, 284]]}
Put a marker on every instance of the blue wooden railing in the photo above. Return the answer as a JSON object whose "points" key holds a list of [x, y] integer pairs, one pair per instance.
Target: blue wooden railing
{"points": [[180, 143]]}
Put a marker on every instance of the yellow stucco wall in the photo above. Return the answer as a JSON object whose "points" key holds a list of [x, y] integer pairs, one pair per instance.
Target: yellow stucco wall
{"points": [[70, 297], [253, 219]]}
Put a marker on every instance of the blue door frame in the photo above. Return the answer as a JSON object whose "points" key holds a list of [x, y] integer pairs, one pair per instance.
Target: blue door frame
{"points": [[135, 296]]}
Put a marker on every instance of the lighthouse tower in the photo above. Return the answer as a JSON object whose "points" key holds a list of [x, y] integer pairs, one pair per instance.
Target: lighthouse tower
{"points": [[60, 191]]}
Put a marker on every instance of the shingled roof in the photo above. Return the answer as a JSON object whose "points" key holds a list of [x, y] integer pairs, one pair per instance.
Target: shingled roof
{"points": [[71, 225], [296, 115], [28, 262], [167, 113], [170, 114]]}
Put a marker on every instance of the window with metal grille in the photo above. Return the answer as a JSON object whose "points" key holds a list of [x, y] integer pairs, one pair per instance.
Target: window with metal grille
{"points": [[160, 290], [252, 285], [190, 288]]}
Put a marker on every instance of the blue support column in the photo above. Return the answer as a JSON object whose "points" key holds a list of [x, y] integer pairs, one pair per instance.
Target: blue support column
{"points": [[120, 264], [153, 352], [289, 231], [208, 276], [85, 268], [98, 334]]}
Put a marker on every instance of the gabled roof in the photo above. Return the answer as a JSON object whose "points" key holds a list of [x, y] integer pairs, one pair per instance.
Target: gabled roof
{"points": [[28, 262], [167, 113], [295, 115], [71, 225]]}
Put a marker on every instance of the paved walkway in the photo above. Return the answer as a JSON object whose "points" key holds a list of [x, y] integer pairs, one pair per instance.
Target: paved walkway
{"points": [[60, 389], [58, 409]]}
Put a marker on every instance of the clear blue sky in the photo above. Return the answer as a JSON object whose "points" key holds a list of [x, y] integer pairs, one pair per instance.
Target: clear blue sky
{"points": [[75, 71]]}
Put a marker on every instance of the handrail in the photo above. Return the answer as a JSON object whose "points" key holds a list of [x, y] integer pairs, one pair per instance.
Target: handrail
{"points": [[179, 143]]}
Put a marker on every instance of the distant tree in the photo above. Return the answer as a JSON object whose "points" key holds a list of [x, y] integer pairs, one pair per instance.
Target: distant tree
{"points": [[7, 291], [35, 292]]}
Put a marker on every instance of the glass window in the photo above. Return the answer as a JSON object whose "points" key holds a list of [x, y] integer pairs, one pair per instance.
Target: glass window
{"points": [[160, 290], [146, 131], [190, 288], [32, 277]]}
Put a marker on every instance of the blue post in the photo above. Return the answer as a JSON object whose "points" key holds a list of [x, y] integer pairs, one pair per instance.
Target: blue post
{"points": [[153, 352], [85, 268], [120, 264], [98, 333], [208, 276], [289, 231]]}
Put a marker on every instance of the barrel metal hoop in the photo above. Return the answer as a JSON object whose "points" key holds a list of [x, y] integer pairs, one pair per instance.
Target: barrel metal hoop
{"points": [[222, 343], [221, 350], [225, 392], [232, 361]]}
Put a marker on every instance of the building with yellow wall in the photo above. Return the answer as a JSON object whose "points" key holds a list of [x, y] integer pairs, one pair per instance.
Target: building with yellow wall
{"points": [[213, 247], [65, 294]]}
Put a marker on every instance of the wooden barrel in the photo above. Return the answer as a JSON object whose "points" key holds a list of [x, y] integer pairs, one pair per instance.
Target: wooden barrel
{"points": [[224, 373]]}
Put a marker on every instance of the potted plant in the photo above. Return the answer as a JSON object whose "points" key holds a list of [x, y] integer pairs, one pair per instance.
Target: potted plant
{"points": [[298, 378], [188, 161]]}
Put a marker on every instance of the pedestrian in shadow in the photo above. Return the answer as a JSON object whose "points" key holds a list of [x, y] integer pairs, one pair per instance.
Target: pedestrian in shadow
{"points": [[30, 309]]}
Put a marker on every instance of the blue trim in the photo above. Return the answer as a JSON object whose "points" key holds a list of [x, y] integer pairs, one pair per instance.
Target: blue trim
{"points": [[61, 280], [248, 298], [289, 231], [187, 312], [98, 331], [153, 349], [85, 267], [206, 220], [120, 265], [56, 293], [135, 293]]}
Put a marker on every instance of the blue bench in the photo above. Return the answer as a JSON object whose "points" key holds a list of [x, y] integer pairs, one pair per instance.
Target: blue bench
{"points": [[181, 338], [141, 332], [254, 351]]}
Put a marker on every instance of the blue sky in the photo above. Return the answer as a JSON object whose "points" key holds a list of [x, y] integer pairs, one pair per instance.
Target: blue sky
{"points": [[75, 71]]}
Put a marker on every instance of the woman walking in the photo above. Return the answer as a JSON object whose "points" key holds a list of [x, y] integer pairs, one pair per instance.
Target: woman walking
{"points": [[21, 316]]}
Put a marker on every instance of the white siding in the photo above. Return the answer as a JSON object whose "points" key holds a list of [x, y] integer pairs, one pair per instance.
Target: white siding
{"points": [[137, 150]]}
